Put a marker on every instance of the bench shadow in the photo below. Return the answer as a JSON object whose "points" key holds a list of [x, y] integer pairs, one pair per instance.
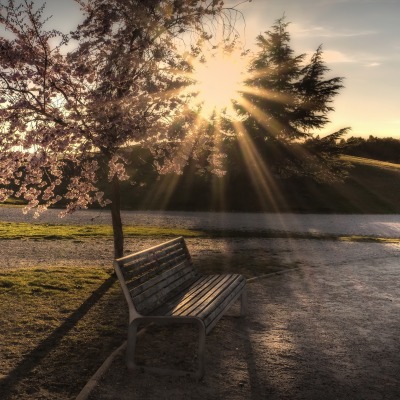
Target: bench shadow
{"points": [[230, 357], [231, 370], [35, 357]]}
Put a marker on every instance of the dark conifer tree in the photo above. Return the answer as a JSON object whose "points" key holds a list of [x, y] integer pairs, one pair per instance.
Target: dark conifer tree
{"points": [[288, 102]]}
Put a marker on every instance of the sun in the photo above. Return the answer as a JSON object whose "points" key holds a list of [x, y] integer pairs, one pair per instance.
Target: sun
{"points": [[218, 82]]}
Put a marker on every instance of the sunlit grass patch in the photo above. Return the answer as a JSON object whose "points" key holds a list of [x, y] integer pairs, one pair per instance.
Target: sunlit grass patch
{"points": [[13, 202], [371, 162], [370, 239], [46, 281], [11, 230]]}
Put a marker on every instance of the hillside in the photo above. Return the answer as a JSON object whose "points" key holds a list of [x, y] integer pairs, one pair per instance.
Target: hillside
{"points": [[372, 187]]}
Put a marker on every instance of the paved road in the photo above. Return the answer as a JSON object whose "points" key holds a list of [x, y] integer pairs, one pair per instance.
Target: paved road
{"points": [[375, 225]]}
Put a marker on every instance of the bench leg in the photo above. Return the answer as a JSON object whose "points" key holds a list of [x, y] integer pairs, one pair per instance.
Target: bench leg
{"points": [[201, 350], [131, 345], [243, 303]]}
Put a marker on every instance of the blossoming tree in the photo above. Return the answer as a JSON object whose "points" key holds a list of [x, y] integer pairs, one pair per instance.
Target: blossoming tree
{"points": [[66, 117]]}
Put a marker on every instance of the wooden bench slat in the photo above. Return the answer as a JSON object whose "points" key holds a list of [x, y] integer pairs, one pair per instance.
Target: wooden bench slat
{"points": [[197, 289], [197, 306], [214, 311], [151, 286], [145, 253], [153, 262], [147, 304], [150, 274], [201, 293], [137, 289]]}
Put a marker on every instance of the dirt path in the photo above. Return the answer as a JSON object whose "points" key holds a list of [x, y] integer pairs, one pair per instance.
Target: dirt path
{"points": [[99, 252]]}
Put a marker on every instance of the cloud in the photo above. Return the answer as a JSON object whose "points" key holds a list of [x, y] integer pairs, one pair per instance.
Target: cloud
{"points": [[373, 64], [321, 31], [336, 56]]}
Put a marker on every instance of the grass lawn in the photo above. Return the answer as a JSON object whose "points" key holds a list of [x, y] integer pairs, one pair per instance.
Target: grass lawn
{"points": [[11, 230], [371, 162], [57, 327], [59, 324]]}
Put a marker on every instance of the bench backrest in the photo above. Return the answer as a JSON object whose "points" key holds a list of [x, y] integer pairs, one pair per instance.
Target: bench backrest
{"points": [[150, 277]]}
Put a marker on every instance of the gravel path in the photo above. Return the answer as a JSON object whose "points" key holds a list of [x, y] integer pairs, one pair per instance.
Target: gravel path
{"points": [[99, 252], [316, 333]]}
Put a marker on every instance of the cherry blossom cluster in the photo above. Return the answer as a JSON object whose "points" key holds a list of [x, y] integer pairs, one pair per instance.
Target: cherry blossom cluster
{"points": [[66, 117]]}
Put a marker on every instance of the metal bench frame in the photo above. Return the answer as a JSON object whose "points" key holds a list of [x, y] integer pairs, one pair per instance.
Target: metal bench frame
{"points": [[162, 286]]}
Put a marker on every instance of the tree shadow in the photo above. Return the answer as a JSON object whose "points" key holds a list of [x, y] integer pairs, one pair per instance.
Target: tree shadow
{"points": [[250, 257], [32, 360]]}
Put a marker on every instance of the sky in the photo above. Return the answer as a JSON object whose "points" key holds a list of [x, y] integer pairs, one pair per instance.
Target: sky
{"points": [[361, 43], [360, 40]]}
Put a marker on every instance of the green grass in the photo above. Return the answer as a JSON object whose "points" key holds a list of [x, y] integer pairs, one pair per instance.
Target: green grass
{"points": [[371, 162], [49, 282], [369, 189], [12, 203], [11, 230]]}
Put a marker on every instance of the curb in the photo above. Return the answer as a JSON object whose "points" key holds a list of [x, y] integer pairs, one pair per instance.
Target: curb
{"points": [[94, 380]]}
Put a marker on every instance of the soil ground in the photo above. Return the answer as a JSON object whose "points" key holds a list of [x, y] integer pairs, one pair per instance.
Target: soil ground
{"points": [[328, 330]]}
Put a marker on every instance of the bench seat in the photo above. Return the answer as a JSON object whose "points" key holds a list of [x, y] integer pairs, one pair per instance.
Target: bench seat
{"points": [[206, 298]]}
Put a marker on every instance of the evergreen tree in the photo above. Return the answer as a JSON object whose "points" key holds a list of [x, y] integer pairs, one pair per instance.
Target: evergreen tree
{"points": [[288, 101]]}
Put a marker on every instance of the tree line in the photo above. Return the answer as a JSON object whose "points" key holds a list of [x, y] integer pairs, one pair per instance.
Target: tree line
{"points": [[377, 148]]}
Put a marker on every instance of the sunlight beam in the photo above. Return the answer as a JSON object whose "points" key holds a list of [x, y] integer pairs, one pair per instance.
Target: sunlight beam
{"points": [[262, 179], [267, 94], [266, 121]]}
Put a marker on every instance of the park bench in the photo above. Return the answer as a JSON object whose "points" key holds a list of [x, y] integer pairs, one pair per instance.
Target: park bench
{"points": [[162, 286]]}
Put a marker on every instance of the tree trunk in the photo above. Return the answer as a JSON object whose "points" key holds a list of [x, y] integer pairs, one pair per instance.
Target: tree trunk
{"points": [[116, 219]]}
